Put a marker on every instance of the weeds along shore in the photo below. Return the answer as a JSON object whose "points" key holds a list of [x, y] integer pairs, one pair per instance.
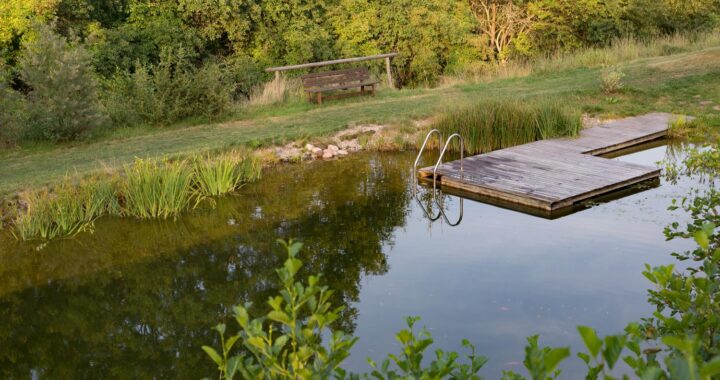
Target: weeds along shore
{"points": [[145, 189]]}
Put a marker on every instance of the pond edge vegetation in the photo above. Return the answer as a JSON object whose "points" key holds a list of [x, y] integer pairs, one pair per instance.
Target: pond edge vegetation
{"points": [[146, 189]]}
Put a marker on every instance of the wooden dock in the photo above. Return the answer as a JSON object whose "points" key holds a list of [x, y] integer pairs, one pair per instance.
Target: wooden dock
{"points": [[552, 175]]}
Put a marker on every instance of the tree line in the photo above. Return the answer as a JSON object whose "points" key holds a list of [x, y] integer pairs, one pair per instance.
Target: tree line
{"points": [[158, 61]]}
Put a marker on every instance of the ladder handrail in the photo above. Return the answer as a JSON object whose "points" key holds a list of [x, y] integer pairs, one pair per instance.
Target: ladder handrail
{"points": [[442, 153], [441, 212], [422, 149]]}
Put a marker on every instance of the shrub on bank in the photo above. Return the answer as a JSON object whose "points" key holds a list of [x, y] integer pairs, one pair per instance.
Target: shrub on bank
{"points": [[491, 125], [62, 102], [169, 91], [12, 111]]}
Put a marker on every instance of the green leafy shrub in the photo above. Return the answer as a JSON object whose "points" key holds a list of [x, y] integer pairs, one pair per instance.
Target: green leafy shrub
{"points": [[12, 111], [245, 74], [688, 301], [286, 343], [170, 91], [428, 35], [63, 100], [611, 80], [491, 125]]}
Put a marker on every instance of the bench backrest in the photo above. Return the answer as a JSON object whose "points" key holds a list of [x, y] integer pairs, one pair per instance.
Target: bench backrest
{"points": [[345, 76]]}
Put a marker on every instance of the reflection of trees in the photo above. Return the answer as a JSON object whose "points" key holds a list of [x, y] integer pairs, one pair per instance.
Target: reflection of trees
{"points": [[137, 300]]}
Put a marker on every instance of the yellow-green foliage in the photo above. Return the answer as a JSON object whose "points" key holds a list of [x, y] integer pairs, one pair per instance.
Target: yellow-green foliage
{"points": [[224, 173], [157, 189], [491, 125], [611, 80], [66, 210]]}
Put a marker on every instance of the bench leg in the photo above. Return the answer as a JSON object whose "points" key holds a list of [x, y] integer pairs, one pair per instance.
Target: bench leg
{"points": [[319, 98], [373, 90]]}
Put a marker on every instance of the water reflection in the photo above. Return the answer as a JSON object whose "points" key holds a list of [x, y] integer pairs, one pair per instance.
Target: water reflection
{"points": [[137, 299]]}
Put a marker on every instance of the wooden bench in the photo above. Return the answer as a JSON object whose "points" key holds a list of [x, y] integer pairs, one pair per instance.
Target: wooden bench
{"points": [[332, 81]]}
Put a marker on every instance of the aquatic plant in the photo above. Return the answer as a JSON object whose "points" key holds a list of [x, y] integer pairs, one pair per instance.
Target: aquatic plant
{"points": [[224, 173], [497, 124], [66, 210], [157, 189]]}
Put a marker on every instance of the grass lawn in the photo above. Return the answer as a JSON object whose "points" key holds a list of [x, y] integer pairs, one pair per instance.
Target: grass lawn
{"points": [[687, 83]]}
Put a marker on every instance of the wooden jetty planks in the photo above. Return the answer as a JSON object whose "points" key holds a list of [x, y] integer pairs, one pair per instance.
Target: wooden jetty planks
{"points": [[555, 174]]}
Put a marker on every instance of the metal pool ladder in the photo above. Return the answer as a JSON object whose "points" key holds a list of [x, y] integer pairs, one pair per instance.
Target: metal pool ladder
{"points": [[437, 164], [439, 161], [417, 159]]}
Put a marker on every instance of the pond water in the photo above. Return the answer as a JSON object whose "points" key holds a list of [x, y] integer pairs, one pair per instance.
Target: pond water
{"points": [[137, 299]]}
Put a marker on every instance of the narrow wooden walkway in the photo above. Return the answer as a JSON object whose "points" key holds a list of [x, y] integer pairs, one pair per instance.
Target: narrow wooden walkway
{"points": [[556, 174]]}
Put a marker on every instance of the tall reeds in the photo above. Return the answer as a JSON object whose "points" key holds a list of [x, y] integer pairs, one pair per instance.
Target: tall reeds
{"points": [[146, 189], [153, 189], [68, 209], [224, 173], [497, 124]]}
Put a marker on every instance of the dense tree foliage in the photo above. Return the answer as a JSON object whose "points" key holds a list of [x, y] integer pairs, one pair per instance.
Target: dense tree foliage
{"points": [[230, 41]]}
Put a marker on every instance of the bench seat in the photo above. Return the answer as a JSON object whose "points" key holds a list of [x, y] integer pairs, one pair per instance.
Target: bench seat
{"points": [[316, 84], [343, 86]]}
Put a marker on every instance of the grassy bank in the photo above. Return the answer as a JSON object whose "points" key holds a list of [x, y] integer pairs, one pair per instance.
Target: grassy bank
{"points": [[687, 81]]}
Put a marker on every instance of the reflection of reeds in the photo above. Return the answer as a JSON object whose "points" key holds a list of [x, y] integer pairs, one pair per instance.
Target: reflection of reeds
{"points": [[147, 189], [498, 124]]}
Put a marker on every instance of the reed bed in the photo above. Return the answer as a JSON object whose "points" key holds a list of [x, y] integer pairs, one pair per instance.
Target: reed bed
{"points": [[147, 189], [492, 125], [153, 189], [67, 210], [223, 174]]}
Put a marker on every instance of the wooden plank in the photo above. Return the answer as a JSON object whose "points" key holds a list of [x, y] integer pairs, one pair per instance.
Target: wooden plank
{"points": [[558, 173], [332, 62]]}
